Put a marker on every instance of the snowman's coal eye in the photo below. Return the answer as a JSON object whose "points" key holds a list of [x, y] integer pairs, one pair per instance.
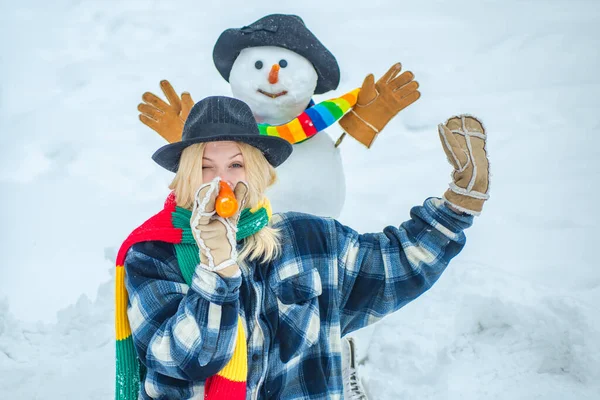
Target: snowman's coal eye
{"points": [[258, 65], [282, 63]]}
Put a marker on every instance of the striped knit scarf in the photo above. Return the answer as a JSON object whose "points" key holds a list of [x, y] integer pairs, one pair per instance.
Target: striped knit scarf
{"points": [[313, 120], [172, 225]]}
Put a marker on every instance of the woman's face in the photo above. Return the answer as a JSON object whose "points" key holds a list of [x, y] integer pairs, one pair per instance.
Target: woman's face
{"points": [[225, 160]]}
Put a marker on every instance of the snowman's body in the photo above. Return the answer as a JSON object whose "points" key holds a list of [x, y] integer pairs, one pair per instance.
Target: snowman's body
{"points": [[311, 180], [278, 84]]}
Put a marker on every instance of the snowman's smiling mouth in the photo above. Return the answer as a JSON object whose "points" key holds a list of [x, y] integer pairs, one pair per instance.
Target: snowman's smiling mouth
{"points": [[272, 95]]}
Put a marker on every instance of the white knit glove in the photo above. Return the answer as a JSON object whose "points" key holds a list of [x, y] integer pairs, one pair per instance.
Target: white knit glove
{"points": [[215, 235]]}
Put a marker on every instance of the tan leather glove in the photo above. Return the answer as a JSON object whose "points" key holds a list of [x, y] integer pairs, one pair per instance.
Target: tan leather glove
{"points": [[378, 103], [166, 119], [215, 235], [464, 141]]}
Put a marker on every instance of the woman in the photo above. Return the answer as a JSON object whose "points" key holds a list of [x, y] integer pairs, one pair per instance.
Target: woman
{"points": [[255, 306]]}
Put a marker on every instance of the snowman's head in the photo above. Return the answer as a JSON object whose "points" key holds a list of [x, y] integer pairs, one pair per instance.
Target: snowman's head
{"points": [[276, 83]]}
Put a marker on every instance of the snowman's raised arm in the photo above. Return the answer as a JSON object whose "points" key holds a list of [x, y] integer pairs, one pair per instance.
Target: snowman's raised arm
{"points": [[166, 118], [378, 102]]}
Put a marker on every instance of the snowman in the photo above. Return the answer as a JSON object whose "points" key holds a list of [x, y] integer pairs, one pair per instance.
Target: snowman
{"points": [[276, 65]]}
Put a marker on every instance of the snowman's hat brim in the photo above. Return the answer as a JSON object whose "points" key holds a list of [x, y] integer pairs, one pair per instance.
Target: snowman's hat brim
{"points": [[287, 31]]}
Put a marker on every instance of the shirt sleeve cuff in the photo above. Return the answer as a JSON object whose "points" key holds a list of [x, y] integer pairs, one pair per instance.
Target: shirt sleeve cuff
{"points": [[215, 288], [449, 219]]}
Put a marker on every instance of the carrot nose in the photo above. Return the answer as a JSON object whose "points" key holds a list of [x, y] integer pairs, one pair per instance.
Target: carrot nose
{"points": [[274, 74]]}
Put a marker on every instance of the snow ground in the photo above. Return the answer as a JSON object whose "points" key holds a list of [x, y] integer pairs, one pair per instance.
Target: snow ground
{"points": [[516, 316]]}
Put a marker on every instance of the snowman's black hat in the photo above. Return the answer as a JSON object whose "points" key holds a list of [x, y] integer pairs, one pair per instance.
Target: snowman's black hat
{"points": [[220, 118], [287, 31]]}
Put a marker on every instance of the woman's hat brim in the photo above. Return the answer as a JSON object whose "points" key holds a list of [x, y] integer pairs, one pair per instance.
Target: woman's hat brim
{"points": [[275, 149]]}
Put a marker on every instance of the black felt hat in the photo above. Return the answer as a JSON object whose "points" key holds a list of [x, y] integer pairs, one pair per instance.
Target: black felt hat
{"points": [[220, 118], [287, 31]]}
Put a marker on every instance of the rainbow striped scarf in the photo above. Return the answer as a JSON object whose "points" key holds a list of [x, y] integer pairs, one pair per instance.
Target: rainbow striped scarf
{"points": [[313, 120], [172, 225]]}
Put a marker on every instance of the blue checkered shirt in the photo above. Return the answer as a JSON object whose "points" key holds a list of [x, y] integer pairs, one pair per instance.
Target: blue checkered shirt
{"points": [[329, 281]]}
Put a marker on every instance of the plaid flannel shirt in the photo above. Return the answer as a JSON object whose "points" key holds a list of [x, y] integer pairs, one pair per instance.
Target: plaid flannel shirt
{"points": [[328, 282]]}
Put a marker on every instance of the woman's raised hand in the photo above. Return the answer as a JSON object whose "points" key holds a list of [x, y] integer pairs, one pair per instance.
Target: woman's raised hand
{"points": [[464, 141]]}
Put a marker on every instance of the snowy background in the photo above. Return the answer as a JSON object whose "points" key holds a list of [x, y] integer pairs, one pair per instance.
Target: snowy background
{"points": [[517, 314]]}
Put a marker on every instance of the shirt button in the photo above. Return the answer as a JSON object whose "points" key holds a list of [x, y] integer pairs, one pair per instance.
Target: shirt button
{"points": [[255, 357], [220, 290]]}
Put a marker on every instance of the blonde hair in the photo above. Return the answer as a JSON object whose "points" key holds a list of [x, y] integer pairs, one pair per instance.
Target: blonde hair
{"points": [[265, 244]]}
